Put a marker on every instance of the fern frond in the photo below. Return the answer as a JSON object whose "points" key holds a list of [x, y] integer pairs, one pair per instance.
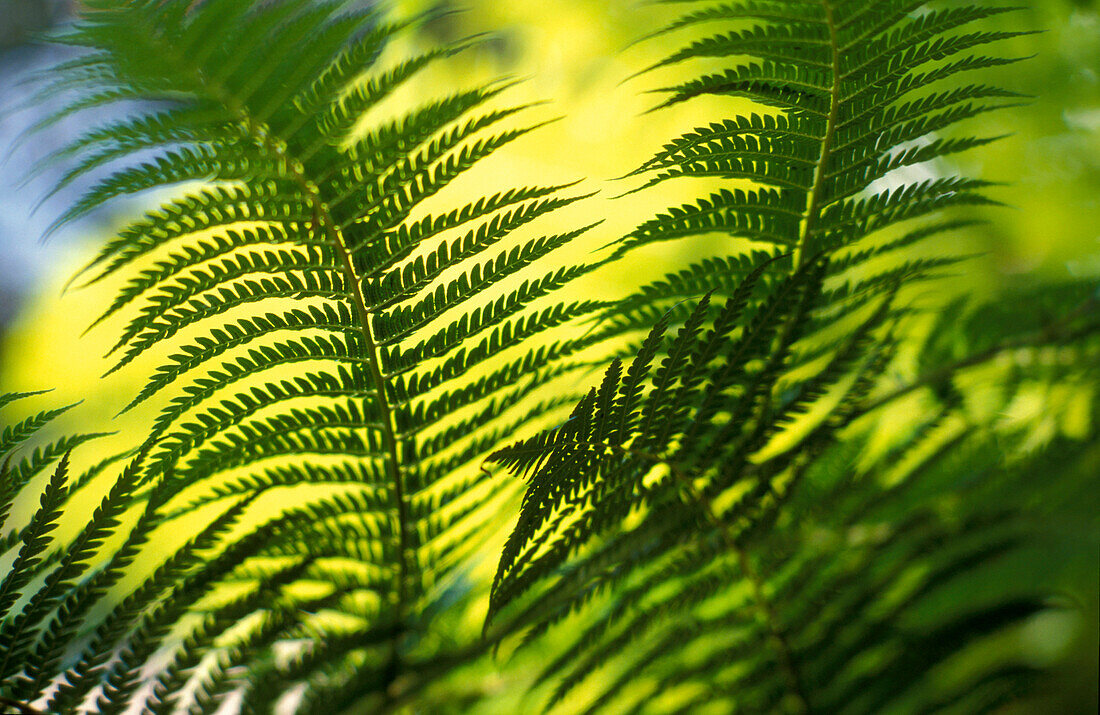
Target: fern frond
{"points": [[697, 518], [670, 558], [35, 539], [307, 249]]}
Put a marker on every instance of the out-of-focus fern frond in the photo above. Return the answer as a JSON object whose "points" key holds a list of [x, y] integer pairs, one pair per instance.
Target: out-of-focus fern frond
{"points": [[697, 571]]}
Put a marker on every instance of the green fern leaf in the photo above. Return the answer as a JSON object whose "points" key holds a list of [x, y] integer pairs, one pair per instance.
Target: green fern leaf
{"points": [[306, 249], [695, 517]]}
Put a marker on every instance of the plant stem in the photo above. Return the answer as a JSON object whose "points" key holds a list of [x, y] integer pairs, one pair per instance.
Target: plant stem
{"points": [[1046, 337], [813, 202], [763, 604], [258, 132]]}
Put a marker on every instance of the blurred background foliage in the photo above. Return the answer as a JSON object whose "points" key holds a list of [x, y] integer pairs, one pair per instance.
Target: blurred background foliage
{"points": [[578, 57]]}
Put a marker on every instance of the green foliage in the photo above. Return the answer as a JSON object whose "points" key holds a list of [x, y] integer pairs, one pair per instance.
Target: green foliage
{"points": [[306, 249], [716, 527], [702, 519], [47, 593]]}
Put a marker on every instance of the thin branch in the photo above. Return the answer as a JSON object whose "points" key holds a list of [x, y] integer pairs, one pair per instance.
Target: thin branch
{"points": [[813, 201], [767, 612], [1047, 336]]}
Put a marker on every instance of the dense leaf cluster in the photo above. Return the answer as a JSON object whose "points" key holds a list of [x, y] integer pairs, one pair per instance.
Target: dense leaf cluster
{"points": [[699, 510], [715, 527]]}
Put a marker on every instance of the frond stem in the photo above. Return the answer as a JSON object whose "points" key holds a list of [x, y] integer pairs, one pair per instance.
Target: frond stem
{"points": [[1051, 335], [389, 430], [813, 202], [763, 604], [801, 251], [258, 132]]}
